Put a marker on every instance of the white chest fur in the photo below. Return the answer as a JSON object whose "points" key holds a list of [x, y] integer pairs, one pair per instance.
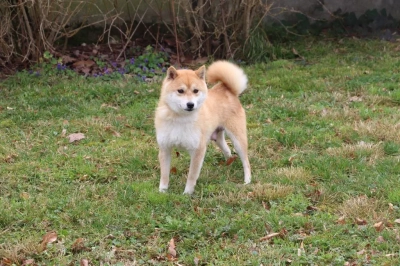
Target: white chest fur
{"points": [[180, 132]]}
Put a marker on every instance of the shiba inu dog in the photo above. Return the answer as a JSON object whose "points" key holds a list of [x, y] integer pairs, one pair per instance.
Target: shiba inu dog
{"points": [[189, 115]]}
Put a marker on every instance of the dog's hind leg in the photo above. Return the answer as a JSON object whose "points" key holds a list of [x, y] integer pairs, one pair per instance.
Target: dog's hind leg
{"points": [[238, 136], [221, 142], [164, 156], [196, 162]]}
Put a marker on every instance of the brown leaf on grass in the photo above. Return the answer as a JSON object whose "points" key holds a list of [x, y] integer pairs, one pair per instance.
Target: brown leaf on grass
{"points": [[361, 252], [28, 262], [171, 250], [173, 170], [85, 70], [10, 158], [116, 134], [24, 195], [63, 132], [379, 226], [269, 236], [78, 245], [355, 99], [83, 64], [380, 239], [341, 220], [6, 262], [397, 221], [84, 262], [178, 154], [359, 221], [301, 250], [266, 205], [75, 137], [48, 238], [67, 59], [196, 261], [230, 160]]}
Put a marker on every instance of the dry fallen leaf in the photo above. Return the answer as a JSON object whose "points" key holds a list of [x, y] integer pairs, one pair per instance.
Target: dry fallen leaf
{"points": [[6, 261], [171, 249], [116, 134], [380, 239], [360, 221], [25, 195], [78, 245], [341, 220], [28, 262], [361, 252], [173, 170], [379, 226], [48, 238], [75, 137], [301, 250], [355, 99], [397, 221], [230, 160], [63, 132], [269, 236], [84, 262]]}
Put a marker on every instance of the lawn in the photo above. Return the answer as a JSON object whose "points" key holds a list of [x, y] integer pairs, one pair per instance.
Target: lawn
{"points": [[324, 140]]}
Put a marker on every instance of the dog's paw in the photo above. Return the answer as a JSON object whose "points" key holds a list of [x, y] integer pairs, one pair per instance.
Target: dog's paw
{"points": [[188, 192], [163, 190]]}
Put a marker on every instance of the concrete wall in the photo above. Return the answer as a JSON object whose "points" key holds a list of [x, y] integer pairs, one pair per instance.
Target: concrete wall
{"points": [[323, 9], [281, 9]]}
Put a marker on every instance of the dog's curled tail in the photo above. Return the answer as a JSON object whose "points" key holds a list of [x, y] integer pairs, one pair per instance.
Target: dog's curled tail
{"points": [[229, 74]]}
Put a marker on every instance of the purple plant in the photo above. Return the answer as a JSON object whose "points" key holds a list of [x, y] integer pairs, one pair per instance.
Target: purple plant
{"points": [[164, 69], [61, 67], [132, 61], [121, 71], [114, 64]]}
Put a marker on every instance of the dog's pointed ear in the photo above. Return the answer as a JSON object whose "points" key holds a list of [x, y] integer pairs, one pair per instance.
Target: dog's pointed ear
{"points": [[172, 73], [201, 72]]}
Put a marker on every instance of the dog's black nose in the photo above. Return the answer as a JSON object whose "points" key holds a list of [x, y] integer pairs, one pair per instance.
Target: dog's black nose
{"points": [[190, 105]]}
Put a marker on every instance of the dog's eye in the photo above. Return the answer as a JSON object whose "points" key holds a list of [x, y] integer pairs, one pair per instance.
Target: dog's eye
{"points": [[195, 91], [180, 91]]}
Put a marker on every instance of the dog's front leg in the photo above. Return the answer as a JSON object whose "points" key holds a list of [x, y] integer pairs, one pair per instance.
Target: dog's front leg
{"points": [[196, 162], [164, 156]]}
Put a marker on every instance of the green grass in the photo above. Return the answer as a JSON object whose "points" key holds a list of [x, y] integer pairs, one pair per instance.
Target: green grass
{"points": [[324, 138]]}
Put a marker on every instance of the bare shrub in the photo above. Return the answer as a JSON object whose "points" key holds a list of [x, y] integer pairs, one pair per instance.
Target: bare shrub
{"points": [[30, 27], [213, 28]]}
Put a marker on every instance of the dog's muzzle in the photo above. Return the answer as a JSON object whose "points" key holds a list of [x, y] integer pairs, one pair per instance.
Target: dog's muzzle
{"points": [[190, 106]]}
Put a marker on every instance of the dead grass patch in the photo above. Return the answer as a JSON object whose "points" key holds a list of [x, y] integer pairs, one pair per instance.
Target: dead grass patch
{"points": [[17, 253], [361, 207], [381, 129], [268, 191], [370, 150], [294, 174], [345, 113]]}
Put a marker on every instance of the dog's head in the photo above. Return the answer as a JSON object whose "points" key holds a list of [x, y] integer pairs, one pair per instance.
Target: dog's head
{"points": [[184, 91]]}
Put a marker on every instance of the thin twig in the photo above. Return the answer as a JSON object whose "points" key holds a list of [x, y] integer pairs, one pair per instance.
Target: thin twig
{"points": [[175, 32]]}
